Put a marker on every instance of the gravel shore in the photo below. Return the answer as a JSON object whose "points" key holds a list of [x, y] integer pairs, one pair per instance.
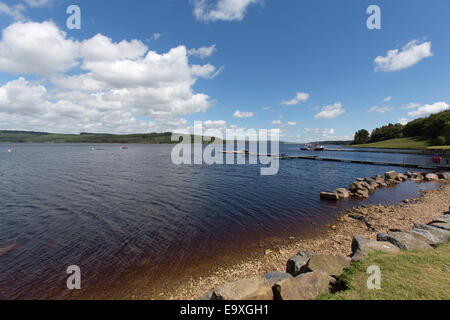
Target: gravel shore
{"points": [[336, 240]]}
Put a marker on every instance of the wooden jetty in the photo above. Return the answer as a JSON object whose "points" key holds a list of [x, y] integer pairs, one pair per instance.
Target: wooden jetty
{"points": [[375, 163], [366, 162]]}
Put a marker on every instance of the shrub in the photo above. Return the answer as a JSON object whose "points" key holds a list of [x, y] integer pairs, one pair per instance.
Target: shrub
{"points": [[441, 141]]}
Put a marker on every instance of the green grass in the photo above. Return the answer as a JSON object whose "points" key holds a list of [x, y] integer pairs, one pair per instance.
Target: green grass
{"points": [[402, 143], [415, 275]]}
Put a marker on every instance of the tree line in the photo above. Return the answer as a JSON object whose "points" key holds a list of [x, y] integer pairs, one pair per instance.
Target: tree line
{"points": [[435, 128]]}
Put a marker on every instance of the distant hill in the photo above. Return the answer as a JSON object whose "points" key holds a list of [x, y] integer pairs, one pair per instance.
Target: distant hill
{"points": [[43, 137]]}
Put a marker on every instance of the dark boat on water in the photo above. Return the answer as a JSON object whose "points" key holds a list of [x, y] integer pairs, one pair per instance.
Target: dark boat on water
{"points": [[310, 147]]}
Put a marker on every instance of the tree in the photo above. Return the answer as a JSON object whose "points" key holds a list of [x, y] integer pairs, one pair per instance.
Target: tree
{"points": [[391, 131], [432, 127], [362, 137]]}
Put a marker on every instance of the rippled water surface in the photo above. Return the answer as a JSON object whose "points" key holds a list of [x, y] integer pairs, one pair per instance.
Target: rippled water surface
{"points": [[114, 212]]}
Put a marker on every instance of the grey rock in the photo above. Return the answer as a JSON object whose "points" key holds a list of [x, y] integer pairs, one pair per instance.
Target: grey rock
{"points": [[342, 193], [444, 175], [298, 262], [304, 287], [404, 241], [360, 193], [392, 175], [417, 176], [378, 179], [329, 196], [331, 265], [431, 177], [436, 235], [442, 223], [277, 276], [374, 246], [355, 186], [358, 242], [368, 186]]}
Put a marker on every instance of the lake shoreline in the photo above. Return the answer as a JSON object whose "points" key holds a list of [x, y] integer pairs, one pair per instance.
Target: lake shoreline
{"points": [[336, 240]]}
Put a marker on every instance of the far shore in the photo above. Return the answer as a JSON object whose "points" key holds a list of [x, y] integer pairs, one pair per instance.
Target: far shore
{"points": [[335, 240]]}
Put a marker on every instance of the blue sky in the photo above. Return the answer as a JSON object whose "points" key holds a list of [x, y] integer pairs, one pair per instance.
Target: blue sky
{"points": [[230, 63]]}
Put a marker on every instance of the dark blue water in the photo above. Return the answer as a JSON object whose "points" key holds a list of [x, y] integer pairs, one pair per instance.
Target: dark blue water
{"points": [[114, 211]]}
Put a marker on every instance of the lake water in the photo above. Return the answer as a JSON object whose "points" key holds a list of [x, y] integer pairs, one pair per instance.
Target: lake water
{"points": [[122, 215]]}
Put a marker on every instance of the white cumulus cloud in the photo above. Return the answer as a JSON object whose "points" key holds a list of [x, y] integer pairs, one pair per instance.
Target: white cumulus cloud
{"points": [[378, 109], [203, 52], [331, 111], [411, 54], [39, 48], [300, 97], [109, 83], [243, 115], [38, 3], [224, 10], [429, 109], [15, 11], [403, 121]]}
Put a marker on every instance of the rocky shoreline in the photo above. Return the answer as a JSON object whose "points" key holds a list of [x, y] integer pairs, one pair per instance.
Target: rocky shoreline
{"points": [[364, 221], [309, 274]]}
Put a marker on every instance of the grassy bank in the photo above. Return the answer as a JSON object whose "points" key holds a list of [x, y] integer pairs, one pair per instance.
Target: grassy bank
{"points": [[417, 275], [402, 143]]}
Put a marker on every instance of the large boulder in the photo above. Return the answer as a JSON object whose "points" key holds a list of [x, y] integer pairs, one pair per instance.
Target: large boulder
{"points": [[391, 182], [435, 235], [355, 186], [342, 193], [379, 179], [401, 177], [391, 175], [358, 242], [304, 287], [296, 264], [329, 196], [368, 186], [331, 265], [277, 276], [441, 223], [372, 182], [417, 176], [362, 193], [404, 241], [373, 246], [444, 175], [431, 177], [247, 289], [360, 185]]}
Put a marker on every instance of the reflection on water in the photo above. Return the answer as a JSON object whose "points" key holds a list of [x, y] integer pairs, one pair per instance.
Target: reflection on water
{"points": [[110, 211]]}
